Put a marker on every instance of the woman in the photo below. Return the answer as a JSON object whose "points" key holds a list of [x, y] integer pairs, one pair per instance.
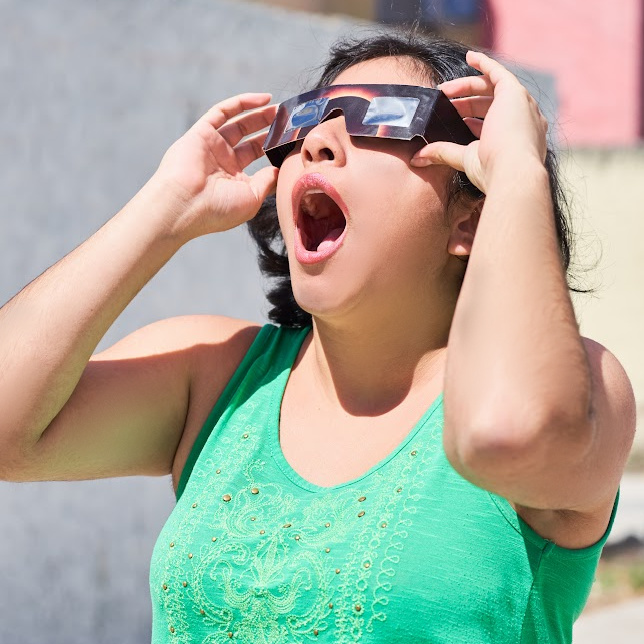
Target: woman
{"points": [[427, 449]]}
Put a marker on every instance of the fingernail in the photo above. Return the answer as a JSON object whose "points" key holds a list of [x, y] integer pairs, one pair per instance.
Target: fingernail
{"points": [[420, 161]]}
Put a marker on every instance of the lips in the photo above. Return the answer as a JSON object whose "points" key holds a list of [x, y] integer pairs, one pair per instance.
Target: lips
{"points": [[320, 218]]}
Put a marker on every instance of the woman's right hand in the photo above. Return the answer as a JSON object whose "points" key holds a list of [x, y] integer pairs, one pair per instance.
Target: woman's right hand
{"points": [[205, 167]]}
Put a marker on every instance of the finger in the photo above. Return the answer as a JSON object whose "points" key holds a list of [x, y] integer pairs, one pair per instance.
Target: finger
{"points": [[440, 153], [221, 112], [264, 182], [467, 86], [475, 125], [473, 106], [488, 66], [217, 145], [250, 150], [234, 131]]}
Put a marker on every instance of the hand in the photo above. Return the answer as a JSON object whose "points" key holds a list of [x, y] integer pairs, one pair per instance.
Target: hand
{"points": [[512, 131], [205, 167]]}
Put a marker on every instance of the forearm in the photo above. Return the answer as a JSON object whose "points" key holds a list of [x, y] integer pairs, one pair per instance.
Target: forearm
{"points": [[517, 374], [50, 329]]}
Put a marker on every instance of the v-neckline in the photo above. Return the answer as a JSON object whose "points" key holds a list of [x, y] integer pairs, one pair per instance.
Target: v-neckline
{"points": [[274, 430]]}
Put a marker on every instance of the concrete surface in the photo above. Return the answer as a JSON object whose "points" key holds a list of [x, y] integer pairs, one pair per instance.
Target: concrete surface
{"points": [[621, 624], [629, 520]]}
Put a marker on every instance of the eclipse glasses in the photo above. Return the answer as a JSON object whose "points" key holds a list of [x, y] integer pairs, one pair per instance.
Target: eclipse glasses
{"points": [[384, 111]]}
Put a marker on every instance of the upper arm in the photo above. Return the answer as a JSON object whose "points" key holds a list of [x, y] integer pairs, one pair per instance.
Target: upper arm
{"points": [[127, 414], [593, 480]]}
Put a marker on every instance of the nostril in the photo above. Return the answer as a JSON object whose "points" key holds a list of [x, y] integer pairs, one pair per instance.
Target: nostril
{"points": [[322, 154]]}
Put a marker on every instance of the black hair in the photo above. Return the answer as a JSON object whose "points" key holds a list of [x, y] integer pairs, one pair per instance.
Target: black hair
{"points": [[438, 60]]}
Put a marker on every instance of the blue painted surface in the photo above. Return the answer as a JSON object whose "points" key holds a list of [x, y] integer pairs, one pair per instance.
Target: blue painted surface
{"points": [[457, 11]]}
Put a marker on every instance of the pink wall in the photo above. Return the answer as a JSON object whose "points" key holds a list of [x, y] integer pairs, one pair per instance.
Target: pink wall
{"points": [[594, 50]]}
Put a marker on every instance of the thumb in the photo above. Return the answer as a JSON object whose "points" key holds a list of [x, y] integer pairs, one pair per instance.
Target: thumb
{"points": [[440, 153], [264, 182]]}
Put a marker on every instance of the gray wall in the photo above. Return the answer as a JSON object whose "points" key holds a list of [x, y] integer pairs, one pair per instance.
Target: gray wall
{"points": [[93, 93]]}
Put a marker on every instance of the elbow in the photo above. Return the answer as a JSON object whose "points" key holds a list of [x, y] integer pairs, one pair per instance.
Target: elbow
{"points": [[503, 449], [480, 452], [13, 464], [9, 472]]}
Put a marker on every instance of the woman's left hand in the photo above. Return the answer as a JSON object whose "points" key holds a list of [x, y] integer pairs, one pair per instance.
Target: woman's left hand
{"points": [[512, 132]]}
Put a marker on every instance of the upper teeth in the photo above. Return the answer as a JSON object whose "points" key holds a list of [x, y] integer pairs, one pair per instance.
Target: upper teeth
{"points": [[307, 205]]}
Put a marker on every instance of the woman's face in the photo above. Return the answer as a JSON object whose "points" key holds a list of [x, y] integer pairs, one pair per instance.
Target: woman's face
{"points": [[378, 237]]}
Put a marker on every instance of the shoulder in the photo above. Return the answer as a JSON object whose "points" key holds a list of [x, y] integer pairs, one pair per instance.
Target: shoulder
{"points": [[216, 346], [613, 408], [188, 333], [610, 380], [187, 349]]}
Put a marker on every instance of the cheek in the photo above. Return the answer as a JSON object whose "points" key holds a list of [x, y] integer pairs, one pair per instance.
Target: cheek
{"points": [[404, 208], [283, 200]]}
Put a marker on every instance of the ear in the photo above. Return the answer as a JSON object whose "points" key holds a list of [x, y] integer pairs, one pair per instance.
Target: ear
{"points": [[463, 229]]}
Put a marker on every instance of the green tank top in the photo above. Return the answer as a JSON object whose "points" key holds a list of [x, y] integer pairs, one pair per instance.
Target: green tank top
{"points": [[408, 552]]}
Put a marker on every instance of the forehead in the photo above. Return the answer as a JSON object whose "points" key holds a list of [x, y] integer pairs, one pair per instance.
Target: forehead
{"points": [[392, 70]]}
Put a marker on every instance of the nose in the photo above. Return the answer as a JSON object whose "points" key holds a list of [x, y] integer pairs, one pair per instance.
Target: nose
{"points": [[326, 143]]}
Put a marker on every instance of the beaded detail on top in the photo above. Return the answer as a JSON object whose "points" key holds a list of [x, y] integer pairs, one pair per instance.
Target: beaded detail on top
{"points": [[255, 555]]}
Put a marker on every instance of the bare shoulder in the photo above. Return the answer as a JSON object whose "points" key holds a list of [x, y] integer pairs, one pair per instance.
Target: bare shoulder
{"points": [[127, 414], [217, 347], [600, 471], [609, 375], [181, 333], [614, 410]]}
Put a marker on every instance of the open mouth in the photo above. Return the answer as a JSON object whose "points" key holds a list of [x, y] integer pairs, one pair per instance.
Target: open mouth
{"points": [[320, 221]]}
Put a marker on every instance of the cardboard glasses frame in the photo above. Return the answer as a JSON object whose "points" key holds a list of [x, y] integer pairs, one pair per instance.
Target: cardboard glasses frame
{"points": [[386, 111]]}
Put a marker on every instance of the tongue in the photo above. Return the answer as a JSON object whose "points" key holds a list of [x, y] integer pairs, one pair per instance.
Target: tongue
{"points": [[330, 238]]}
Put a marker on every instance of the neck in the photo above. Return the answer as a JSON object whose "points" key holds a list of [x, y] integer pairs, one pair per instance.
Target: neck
{"points": [[372, 367]]}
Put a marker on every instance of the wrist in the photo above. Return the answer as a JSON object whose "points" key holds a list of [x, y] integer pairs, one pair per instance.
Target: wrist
{"points": [[164, 205], [529, 169]]}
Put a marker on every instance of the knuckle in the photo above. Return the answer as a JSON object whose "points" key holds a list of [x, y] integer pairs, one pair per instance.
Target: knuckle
{"points": [[257, 147], [242, 129]]}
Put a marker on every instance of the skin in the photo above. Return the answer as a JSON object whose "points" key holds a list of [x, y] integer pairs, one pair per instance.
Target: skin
{"points": [[533, 411]]}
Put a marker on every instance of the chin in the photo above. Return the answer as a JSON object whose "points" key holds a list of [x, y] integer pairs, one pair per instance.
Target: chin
{"points": [[323, 301]]}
